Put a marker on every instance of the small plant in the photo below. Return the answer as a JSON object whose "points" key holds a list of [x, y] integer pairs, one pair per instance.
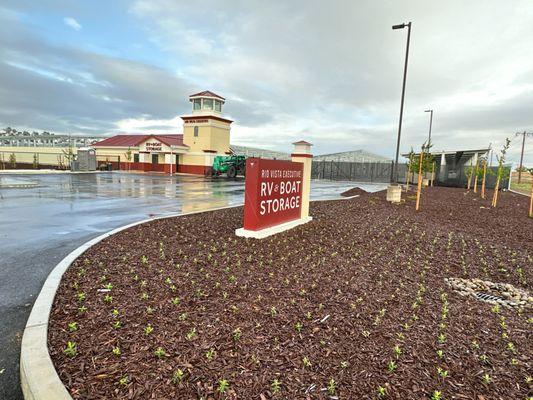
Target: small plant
{"points": [[306, 362], [114, 312], [397, 351], [442, 338], [273, 311], [486, 379], [223, 385], [436, 395], [177, 376], [144, 260], [116, 325], [160, 352], [366, 333], [182, 317], [275, 386], [381, 392], [210, 354], [298, 326], [391, 366], [440, 353], [82, 309], [123, 381], [344, 364], [175, 300], [73, 326], [442, 373], [116, 351], [81, 296], [332, 386], [108, 298], [71, 349], [191, 334], [511, 347], [149, 329], [237, 334]]}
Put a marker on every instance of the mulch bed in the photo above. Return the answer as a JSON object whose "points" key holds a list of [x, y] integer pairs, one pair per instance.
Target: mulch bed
{"points": [[353, 192], [352, 305]]}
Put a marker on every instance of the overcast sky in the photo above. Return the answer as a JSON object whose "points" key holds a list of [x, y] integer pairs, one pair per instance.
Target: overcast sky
{"points": [[329, 72]]}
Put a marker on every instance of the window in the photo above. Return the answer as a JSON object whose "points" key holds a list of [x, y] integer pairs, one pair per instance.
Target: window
{"points": [[155, 158], [197, 103], [136, 157], [208, 104], [218, 105], [195, 131]]}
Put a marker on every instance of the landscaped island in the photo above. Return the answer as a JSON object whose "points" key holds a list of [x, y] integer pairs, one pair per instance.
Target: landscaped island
{"points": [[354, 305]]}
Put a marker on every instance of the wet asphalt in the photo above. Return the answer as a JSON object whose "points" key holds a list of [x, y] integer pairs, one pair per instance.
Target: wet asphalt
{"points": [[47, 216]]}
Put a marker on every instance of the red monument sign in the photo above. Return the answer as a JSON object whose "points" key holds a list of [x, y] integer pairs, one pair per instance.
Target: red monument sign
{"points": [[273, 193]]}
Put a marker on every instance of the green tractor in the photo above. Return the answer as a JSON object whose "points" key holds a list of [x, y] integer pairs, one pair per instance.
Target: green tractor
{"points": [[229, 165]]}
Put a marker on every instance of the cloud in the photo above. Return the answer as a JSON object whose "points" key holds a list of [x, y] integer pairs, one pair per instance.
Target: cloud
{"points": [[330, 74], [69, 21]]}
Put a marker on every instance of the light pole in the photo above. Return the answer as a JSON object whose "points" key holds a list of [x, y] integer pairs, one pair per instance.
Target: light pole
{"points": [[401, 26], [524, 134], [430, 123]]}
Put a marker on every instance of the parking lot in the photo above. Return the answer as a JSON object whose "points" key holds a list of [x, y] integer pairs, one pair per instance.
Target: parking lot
{"points": [[48, 216]]}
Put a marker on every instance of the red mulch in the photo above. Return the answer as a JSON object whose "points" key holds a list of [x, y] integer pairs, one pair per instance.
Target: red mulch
{"points": [[354, 192], [363, 277]]}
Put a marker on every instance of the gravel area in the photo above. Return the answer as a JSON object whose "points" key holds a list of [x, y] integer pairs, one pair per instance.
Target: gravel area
{"points": [[353, 305]]}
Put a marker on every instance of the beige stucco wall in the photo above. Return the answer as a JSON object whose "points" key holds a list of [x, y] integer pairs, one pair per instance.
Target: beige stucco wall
{"points": [[46, 155], [212, 135]]}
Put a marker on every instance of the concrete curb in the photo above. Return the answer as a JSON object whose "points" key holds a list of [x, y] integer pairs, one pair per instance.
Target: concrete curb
{"points": [[38, 377], [514, 191]]}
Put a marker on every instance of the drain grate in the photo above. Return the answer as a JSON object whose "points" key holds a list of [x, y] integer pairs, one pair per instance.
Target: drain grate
{"points": [[487, 297]]}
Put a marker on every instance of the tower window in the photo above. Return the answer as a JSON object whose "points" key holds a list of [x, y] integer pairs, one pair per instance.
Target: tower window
{"points": [[208, 104], [197, 104], [218, 105], [195, 131]]}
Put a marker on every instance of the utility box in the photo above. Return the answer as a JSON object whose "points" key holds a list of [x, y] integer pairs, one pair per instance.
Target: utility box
{"points": [[86, 160]]}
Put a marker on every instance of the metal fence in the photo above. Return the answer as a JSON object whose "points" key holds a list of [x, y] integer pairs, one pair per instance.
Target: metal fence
{"points": [[382, 172], [379, 172]]}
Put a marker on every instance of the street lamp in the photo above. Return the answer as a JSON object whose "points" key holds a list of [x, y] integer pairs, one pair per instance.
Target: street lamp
{"points": [[430, 123], [524, 134], [401, 26]]}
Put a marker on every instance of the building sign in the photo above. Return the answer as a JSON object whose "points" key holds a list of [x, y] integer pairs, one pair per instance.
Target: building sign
{"points": [[153, 146], [273, 192]]}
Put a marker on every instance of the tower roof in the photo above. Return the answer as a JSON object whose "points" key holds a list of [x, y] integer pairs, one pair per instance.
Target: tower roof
{"points": [[206, 93]]}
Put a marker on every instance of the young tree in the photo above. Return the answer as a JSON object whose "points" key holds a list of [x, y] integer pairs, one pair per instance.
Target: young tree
{"points": [[13, 160], [409, 168], [531, 199], [484, 177], [425, 161], [128, 157], [501, 170]]}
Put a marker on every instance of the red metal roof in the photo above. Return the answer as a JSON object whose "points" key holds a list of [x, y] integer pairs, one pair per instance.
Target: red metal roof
{"points": [[302, 142], [136, 140], [207, 93]]}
